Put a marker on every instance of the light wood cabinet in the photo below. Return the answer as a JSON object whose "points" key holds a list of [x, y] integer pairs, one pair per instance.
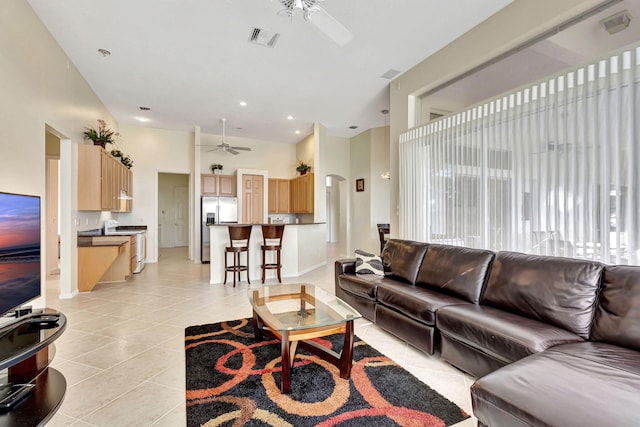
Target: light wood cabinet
{"points": [[252, 199], [102, 180], [218, 185], [301, 194], [278, 195]]}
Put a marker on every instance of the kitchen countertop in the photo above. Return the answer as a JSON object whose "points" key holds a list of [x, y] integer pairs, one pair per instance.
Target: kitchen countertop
{"points": [[87, 242], [293, 223]]}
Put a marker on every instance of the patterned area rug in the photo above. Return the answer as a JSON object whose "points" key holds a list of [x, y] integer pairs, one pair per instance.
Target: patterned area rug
{"points": [[234, 381]]}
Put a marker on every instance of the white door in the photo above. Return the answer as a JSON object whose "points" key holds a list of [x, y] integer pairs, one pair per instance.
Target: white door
{"points": [[181, 201]]}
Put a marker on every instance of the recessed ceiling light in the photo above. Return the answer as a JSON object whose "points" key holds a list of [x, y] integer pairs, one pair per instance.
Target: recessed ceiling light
{"points": [[104, 52], [297, 132], [143, 119], [289, 117], [243, 104], [145, 108]]}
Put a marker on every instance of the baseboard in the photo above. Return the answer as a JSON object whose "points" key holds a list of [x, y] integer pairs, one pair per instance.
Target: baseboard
{"points": [[68, 295], [305, 271]]}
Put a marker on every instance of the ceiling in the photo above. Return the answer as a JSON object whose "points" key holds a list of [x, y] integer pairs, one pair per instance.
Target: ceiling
{"points": [[583, 42], [191, 63]]}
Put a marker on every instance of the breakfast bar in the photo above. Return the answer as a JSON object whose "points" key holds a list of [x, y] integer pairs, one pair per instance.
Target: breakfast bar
{"points": [[303, 249]]}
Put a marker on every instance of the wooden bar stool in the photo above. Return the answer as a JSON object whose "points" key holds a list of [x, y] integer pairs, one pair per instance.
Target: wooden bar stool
{"points": [[272, 241], [239, 236], [383, 234]]}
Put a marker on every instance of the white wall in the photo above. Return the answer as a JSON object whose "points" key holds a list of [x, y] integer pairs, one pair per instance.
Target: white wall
{"points": [[360, 205], [153, 151], [40, 87], [510, 27], [369, 159], [380, 187]]}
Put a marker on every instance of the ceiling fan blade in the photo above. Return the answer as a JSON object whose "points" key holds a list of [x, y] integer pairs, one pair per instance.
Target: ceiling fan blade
{"points": [[331, 27], [232, 151], [213, 149], [241, 148]]}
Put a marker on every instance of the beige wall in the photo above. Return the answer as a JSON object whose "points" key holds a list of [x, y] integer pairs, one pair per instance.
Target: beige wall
{"points": [[40, 87], [279, 159], [512, 26]]}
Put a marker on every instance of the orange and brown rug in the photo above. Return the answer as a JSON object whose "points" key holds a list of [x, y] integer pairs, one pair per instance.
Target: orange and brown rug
{"points": [[232, 380]]}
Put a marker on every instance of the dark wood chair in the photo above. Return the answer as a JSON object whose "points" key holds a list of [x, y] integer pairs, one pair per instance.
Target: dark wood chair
{"points": [[239, 236], [272, 241], [383, 233]]}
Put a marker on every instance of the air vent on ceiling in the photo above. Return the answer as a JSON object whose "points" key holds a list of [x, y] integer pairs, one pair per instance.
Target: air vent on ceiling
{"points": [[263, 37], [390, 74], [618, 22]]}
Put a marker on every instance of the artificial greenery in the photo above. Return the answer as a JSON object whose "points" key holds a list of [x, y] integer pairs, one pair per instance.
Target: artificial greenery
{"points": [[216, 167], [124, 159], [303, 167], [102, 135]]}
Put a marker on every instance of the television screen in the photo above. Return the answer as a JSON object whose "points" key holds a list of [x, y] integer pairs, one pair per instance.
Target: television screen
{"points": [[19, 250]]}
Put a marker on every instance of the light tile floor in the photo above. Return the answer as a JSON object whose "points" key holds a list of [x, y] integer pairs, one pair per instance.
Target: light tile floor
{"points": [[123, 351]]}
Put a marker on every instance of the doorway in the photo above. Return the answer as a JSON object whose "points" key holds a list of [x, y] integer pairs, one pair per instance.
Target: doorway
{"points": [[173, 210], [52, 205], [336, 212]]}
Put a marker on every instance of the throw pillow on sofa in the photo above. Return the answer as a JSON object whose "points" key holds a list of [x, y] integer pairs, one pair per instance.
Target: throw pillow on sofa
{"points": [[367, 263]]}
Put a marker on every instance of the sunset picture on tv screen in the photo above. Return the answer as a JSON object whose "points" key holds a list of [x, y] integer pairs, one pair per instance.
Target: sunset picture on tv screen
{"points": [[19, 249]]}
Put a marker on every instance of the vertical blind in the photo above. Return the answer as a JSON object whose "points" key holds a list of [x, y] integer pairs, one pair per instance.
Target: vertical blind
{"points": [[549, 169]]}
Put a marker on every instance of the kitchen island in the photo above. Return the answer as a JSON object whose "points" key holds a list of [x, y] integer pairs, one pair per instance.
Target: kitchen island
{"points": [[303, 250]]}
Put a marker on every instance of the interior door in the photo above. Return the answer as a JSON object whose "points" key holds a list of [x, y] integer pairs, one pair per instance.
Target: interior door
{"points": [[181, 210]]}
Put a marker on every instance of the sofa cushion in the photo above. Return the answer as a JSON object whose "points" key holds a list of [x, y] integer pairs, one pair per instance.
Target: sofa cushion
{"points": [[402, 259], [454, 270], [417, 303], [502, 335], [586, 384], [618, 314], [558, 291], [362, 285], [367, 263]]}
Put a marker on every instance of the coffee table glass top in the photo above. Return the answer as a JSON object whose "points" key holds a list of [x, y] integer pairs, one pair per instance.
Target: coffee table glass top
{"points": [[299, 306]]}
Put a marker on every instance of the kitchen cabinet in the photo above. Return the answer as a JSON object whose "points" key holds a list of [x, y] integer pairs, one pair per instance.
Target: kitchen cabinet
{"points": [[102, 181], [218, 185], [278, 195], [102, 259], [301, 194]]}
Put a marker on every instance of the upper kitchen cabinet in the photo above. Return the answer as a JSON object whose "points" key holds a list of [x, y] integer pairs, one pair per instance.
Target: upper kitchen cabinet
{"points": [[301, 194], [218, 185], [104, 183], [278, 195]]}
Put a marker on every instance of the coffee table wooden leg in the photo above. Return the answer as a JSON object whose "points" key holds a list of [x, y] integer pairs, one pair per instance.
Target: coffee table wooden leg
{"points": [[346, 356], [286, 363], [257, 327]]}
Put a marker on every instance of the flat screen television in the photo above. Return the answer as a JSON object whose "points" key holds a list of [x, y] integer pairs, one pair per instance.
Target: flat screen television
{"points": [[19, 250]]}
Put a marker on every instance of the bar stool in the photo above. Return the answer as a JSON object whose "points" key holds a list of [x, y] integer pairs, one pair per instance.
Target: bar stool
{"points": [[272, 241], [239, 236], [383, 234]]}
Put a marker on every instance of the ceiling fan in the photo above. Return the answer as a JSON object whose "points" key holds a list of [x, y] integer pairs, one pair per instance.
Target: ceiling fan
{"points": [[315, 14], [223, 146]]}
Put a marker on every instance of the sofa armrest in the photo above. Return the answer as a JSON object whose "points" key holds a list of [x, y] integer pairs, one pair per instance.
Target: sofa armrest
{"points": [[345, 266]]}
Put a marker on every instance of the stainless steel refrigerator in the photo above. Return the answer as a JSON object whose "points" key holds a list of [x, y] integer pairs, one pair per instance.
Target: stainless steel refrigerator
{"points": [[216, 210]]}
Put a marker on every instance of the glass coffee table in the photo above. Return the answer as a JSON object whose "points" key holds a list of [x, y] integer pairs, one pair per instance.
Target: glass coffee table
{"points": [[295, 314]]}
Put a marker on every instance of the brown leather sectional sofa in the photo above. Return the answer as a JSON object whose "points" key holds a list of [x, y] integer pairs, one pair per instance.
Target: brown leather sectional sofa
{"points": [[553, 341]]}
